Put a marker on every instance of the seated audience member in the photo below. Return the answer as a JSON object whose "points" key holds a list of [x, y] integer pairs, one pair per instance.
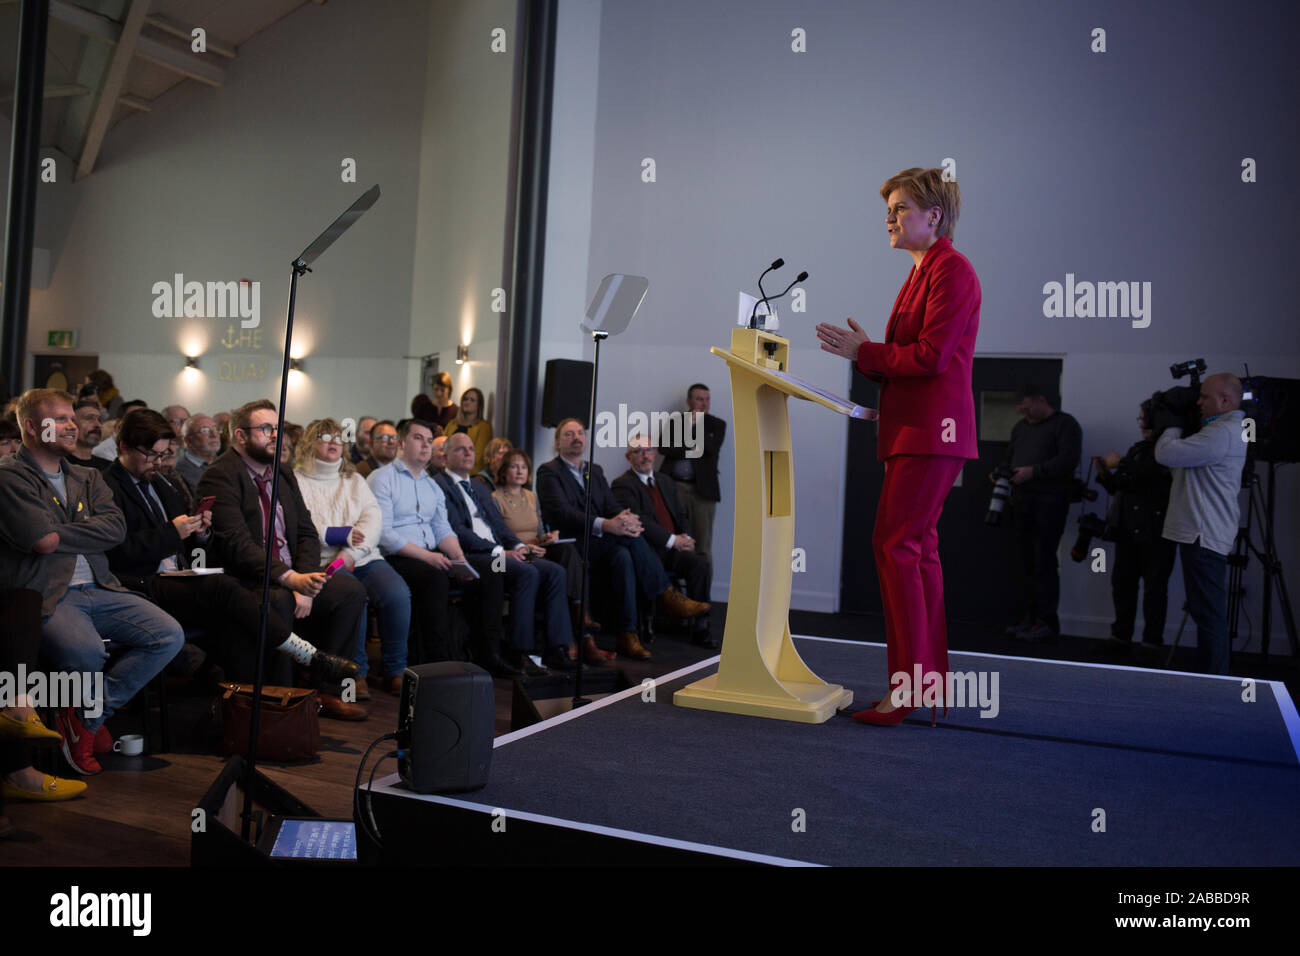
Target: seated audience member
{"points": [[383, 448], [110, 399], [330, 609], [176, 416], [223, 429], [20, 726], [90, 433], [339, 498], [419, 543], [438, 456], [652, 497], [11, 439], [360, 449], [167, 472], [526, 574], [496, 450], [162, 535], [47, 500], [616, 536], [202, 438], [441, 411], [289, 447], [522, 514], [471, 421]]}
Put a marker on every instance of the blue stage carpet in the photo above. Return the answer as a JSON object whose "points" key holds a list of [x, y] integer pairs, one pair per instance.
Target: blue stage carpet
{"points": [[1177, 767]]}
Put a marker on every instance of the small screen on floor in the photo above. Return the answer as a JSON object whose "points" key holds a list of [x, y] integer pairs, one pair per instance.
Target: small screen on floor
{"points": [[309, 839]]}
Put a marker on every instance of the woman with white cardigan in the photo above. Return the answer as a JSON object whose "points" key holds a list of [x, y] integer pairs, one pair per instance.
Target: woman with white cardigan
{"points": [[338, 497]]}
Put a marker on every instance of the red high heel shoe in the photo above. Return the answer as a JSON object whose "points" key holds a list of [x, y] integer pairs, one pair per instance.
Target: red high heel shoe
{"points": [[887, 719]]}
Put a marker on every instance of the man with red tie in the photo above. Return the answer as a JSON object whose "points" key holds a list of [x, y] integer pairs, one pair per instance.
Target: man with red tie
{"points": [[927, 420]]}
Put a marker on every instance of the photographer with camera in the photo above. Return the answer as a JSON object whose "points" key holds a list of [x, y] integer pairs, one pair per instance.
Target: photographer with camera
{"points": [[1042, 459], [1203, 511], [1140, 488]]}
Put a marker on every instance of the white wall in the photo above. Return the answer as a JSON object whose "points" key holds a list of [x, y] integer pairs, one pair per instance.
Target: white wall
{"points": [[1115, 166], [230, 183]]}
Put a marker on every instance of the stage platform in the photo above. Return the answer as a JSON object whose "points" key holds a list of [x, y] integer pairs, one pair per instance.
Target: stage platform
{"points": [[1082, 765]]}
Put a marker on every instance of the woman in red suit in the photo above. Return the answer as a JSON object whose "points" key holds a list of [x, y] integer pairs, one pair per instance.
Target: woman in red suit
{"points": [[927, 425]]}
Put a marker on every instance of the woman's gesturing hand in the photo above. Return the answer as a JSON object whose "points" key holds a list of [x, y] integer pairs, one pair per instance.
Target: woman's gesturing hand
{"points": [[838, 341]]}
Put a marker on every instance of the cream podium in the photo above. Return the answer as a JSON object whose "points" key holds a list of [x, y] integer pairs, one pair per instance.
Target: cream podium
{"points": [[760, 673]]}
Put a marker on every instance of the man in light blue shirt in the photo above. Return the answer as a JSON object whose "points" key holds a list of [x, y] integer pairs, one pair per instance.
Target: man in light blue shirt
{"points": [[1204, 511], [418, 542]]}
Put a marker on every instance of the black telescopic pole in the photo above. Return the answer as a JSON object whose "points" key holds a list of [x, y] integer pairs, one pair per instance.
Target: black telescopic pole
{"points": [[299, 267], [596, 336]]}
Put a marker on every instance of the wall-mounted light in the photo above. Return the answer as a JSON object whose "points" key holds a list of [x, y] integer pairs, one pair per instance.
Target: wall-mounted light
{"points": [[191, 361], [295, 365], [462, 354]]}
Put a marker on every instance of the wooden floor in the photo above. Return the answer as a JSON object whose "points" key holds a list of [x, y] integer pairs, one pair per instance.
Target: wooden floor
{"points": [[138, 811]]}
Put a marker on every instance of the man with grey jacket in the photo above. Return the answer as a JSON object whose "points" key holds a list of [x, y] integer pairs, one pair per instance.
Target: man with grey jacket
{"points": [[1204, 510], [58, 522]]}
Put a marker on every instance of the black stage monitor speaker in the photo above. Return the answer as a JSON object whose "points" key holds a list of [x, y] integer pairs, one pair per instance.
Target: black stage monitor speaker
{"points": [[445, 722], [566, 392]]}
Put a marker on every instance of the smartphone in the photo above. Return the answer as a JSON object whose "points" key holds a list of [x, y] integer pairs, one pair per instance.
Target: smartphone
{"points": [[205, 504]]}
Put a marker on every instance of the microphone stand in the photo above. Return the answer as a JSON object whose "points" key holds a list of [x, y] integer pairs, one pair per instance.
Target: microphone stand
{"points": [[597, 336], [299, 266]]}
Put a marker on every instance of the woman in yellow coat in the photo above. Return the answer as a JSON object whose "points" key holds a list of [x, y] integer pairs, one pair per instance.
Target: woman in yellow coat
{"points": [[471, 421]]}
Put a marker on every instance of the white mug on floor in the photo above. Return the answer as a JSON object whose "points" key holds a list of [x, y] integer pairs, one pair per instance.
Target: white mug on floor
{"points": [[129, 745]]}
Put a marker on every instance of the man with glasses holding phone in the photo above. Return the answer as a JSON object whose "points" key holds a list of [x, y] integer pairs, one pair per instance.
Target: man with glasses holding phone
{"points": [[202, 440], [328, 609]]}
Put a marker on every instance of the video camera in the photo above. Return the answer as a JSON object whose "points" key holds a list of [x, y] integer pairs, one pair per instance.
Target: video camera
{"points": [[1176, 407]]}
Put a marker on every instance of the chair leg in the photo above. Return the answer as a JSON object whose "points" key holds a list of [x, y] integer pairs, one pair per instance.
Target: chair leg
{"points": [[162, 715]]}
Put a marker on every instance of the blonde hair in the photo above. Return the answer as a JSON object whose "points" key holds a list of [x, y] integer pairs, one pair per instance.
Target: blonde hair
{"points": [[305, 451], [33, 400], [928, 189]]}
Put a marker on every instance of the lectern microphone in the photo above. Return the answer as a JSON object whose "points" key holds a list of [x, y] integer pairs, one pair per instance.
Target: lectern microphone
{"points": [[778, 263], [770, 299]]}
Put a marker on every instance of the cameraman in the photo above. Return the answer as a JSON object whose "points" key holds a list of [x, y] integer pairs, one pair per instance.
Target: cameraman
{"points": [[1203, 508], [1140, 486], [1043, 457]]}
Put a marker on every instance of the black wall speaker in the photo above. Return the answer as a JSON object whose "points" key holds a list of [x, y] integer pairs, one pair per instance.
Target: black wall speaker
{"points": [[566, 393], [445, 722]]}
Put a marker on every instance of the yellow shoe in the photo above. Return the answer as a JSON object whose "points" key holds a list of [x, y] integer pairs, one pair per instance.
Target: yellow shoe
{"points": [[52, 789], [30, 730]]}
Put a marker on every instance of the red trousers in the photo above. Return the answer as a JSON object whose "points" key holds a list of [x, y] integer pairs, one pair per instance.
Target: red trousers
{"points": [[906, 545]]}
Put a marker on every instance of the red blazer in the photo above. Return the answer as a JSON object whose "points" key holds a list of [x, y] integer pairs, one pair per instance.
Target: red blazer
{"points": [[924, 364]]}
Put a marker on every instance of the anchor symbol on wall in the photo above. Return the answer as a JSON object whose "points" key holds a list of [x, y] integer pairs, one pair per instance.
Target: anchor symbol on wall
{"points": [[230, 340]]}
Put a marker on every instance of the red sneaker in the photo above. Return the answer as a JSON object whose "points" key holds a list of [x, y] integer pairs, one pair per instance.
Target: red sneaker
{"points": [[103, 741], [78, 742]]}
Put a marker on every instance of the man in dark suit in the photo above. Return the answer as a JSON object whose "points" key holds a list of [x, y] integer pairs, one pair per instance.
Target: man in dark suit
{"points": [[697, 477], [652, 497], [331, 609], [161, 536], [506, 564], [616, 536]]}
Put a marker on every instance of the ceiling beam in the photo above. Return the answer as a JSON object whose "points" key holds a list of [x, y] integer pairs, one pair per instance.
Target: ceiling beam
{"points": [[135, 102], [181, 31], [55, 91], [112, 86], [93, 24]]}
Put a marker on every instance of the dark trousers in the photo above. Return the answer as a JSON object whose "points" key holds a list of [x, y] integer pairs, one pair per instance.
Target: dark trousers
{"points": [[1039, 522], [230, 616], [527, 583], [1205, 580], [632, 566], [697, 569], [431, 635], [486, 598], [335, 623], [1150, 562]]}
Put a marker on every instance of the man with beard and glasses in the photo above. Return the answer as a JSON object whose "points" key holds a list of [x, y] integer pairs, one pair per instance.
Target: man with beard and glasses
{"points": [[330, 610]]}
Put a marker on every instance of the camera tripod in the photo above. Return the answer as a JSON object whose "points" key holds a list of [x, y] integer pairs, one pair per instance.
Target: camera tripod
{"points": [[1268, 560]]}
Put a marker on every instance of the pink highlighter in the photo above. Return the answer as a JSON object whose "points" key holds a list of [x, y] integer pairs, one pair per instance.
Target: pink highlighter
{"points": [[334, 565]]}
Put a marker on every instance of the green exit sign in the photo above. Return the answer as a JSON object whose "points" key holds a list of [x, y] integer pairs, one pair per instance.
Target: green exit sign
{"points": [[62, 339]]}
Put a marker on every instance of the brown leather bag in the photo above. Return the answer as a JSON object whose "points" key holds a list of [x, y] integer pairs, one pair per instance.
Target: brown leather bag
{"points": [[288, 727]]}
